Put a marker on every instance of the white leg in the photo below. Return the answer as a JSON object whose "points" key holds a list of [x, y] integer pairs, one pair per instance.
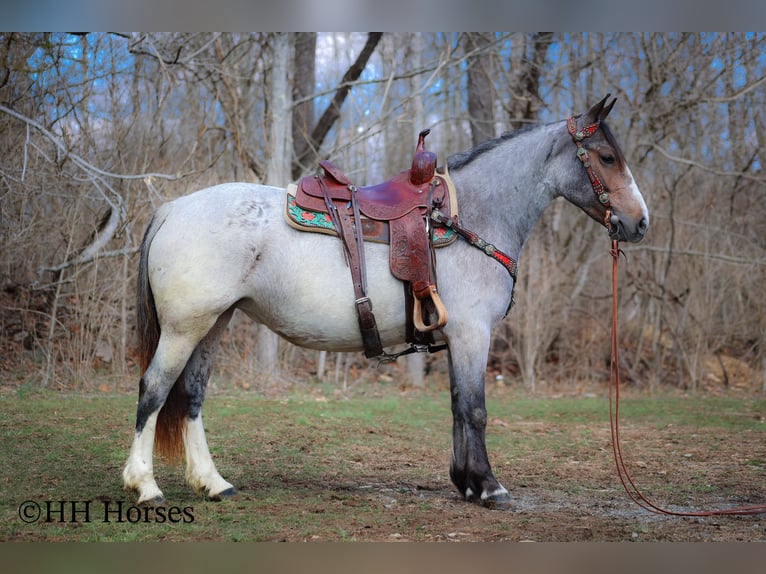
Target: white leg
{"points": [[201, 473], [138, 473]]}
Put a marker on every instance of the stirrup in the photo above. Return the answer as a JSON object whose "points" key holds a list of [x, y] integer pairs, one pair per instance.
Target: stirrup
{"points": [[441, 312]]}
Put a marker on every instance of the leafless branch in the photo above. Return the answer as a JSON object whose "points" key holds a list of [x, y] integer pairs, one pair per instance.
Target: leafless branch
{"points": [[703, 167], [738, 94], [80, 162], [83, 258], [693, 253]]}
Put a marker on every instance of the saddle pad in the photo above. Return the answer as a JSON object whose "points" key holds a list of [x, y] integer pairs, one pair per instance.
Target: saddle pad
{"points": [[373, 230]]}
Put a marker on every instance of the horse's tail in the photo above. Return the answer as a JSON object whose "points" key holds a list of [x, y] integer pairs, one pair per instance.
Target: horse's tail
{"points": [[168, 438]]}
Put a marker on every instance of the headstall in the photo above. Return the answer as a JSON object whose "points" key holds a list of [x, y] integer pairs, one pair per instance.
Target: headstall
{"points": [[598, 187]]}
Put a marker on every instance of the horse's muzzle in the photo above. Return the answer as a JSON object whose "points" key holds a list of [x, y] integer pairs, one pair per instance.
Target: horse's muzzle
{"points": [[632, 232]]}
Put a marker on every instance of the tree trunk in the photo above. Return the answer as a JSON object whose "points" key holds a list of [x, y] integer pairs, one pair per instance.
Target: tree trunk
{"points": [[480, 89], [415, 363], [526, 100], [278, 167], [304, 82], [332, 112]]}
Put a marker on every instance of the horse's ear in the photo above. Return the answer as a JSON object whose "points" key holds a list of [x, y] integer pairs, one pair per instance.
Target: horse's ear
{"points": [[598, 112], [606, 109]]}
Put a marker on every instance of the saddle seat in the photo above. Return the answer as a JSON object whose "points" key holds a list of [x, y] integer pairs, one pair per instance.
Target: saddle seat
{"points": [[385, 201], [403, 203]]}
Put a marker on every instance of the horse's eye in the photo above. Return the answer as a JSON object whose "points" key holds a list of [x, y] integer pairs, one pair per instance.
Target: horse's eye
{"points": [[607, 159]]}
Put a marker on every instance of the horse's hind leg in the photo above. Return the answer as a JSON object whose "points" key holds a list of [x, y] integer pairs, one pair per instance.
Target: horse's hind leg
{"points": [[201, 473], [167, 364]]}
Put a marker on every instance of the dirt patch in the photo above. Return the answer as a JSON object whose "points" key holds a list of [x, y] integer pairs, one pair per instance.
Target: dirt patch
{"points": [[572, 494]]}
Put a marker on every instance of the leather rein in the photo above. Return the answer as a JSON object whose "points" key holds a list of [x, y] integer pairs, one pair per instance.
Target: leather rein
{"points": [[614, 365], [614, 422]]}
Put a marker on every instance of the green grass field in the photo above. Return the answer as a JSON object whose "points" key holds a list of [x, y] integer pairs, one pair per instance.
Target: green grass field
{"points": [[367, 468]]}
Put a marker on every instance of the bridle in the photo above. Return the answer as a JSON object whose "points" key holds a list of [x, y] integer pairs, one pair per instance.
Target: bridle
{"points": [[598, 187]]}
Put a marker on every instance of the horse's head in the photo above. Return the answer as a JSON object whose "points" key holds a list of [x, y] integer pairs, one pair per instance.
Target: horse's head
{"points": [[606, 189]]}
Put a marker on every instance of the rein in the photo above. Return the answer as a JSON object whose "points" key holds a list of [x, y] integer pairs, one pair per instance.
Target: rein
{"points": [[614, 365], [614, 420]]}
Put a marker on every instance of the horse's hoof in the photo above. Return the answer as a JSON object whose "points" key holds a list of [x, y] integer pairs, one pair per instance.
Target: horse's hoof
{"points": [[228, 493], [158, 500], [498, 502], [500, 499]]}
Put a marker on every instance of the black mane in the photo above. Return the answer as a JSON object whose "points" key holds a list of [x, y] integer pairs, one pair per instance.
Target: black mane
{"points": [[462, 159]]}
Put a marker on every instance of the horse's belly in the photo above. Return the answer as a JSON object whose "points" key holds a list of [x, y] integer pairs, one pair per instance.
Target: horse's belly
{"points": [[303, 291]]}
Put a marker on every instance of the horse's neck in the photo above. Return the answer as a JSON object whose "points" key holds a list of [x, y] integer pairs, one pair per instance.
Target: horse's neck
{"points": [[503, 192]]}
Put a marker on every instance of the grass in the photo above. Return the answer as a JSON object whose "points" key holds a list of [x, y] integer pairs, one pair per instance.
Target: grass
{"points": [[311, 468]]}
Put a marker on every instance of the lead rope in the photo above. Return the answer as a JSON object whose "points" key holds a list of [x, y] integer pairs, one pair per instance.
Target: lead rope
{"points": [[614, 419]]}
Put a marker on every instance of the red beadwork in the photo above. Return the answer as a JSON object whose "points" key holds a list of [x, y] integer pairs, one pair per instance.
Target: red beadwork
{"points": [[598, 187]]}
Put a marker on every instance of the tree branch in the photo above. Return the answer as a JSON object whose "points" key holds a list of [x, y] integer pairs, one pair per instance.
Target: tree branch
{"points": [[114, 200], [76, 158], [332, 112], [737, 94], [703, 167], [83, 258], [691, 253]]}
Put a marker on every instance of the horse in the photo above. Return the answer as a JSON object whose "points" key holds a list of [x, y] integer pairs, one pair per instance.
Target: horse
{"points": [[228, 247]]}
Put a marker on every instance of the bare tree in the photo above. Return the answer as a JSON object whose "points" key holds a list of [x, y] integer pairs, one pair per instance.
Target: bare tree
{"points": [[525, 98], [98, 129], [331, 113]]}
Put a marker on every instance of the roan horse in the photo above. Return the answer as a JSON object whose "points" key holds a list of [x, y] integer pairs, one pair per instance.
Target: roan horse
{"points": [[228, 247]]}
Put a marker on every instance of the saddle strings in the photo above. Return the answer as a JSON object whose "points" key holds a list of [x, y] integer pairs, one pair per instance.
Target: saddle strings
{"points": [[614, 419]]}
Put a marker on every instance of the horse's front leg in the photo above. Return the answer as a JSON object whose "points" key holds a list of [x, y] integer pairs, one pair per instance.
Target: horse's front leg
{"points": [[470, 470]]}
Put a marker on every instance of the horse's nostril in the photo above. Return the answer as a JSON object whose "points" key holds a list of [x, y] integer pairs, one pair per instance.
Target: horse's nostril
{"points": [[643, 225]]}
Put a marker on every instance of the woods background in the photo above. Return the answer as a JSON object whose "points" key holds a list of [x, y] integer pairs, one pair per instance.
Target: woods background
{"points": [[97, 130]]}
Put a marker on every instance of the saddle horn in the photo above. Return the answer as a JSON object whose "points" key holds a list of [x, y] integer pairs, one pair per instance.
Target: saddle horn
{"points": [[423, 162]]}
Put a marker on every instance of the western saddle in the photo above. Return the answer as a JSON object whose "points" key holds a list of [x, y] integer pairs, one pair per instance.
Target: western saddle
{"points": [[397, 212]]}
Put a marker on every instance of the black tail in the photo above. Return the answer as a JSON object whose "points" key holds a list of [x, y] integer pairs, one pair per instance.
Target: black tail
{"points": [[168, 439]]}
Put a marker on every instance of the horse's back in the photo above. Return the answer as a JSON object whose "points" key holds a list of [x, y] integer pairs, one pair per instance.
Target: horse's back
{"points": [[235, 205]]}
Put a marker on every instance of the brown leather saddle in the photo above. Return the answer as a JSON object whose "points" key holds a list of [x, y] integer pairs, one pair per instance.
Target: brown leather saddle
{"points": [[403, 204]]}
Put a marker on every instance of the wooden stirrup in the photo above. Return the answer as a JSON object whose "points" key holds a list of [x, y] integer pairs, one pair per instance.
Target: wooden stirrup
{"points": [[441, 312]]}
